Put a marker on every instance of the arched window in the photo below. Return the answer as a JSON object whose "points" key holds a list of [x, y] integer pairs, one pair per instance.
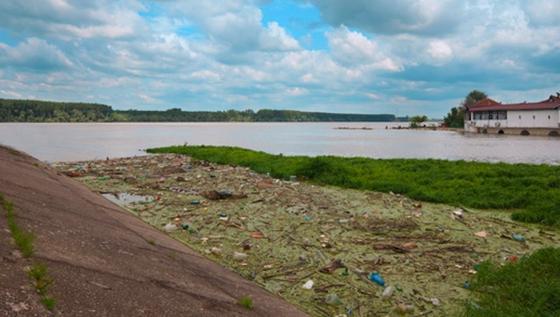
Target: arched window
{"points": [[519, 117], [548, 117], [533, 117]]}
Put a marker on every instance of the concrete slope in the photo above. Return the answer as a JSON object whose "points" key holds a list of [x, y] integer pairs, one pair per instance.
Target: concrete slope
{"points": [[106, 262]]}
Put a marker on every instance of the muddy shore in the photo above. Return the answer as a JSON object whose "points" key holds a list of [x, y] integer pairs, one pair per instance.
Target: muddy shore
{"points": [[318, 247], [105, 261]]}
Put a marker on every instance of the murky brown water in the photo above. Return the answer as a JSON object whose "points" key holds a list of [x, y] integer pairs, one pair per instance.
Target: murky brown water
{"points": [[81, 141]]}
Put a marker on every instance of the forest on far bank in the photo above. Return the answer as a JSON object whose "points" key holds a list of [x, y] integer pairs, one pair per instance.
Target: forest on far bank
{"points": [[14, 110]]}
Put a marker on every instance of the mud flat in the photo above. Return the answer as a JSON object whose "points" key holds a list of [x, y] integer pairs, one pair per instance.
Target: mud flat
{"points": [[318, 247], [104, 261]]}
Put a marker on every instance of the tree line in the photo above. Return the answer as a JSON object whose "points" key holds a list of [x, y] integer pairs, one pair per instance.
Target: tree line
{"points": [[14, 110]]}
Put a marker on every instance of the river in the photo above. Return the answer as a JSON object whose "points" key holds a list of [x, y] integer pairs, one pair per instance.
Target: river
{"points": [[83, 141]]}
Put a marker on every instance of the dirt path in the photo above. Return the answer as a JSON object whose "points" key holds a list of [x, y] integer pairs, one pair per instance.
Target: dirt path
{"points": [[105, 261]]}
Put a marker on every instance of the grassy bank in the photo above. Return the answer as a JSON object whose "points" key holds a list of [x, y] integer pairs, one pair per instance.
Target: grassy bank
{"points": [[531, 192], [529, 287]]}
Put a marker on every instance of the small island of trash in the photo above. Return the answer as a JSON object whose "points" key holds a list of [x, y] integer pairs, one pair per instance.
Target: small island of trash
{"points": [[326, 249]]}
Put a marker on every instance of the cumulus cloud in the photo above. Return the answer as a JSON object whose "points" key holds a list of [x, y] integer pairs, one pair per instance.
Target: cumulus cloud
{"points": [[367, 56], [352, 48], [33, 55], [393, 16]]}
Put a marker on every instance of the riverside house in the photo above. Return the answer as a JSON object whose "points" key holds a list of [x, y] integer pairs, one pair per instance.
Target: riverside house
{"points": [[527, 118]]}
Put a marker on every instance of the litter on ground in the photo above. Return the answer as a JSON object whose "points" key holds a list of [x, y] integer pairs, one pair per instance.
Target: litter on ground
{"points": [[328, 250]]}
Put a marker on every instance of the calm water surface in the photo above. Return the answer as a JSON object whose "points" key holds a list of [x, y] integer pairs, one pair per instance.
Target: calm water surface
{"points": [[81, 141]]}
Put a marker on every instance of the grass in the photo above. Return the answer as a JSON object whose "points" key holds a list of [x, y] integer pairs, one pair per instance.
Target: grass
{"points": [[246, 302], [24, 242], [42, 281], [23, 239], [529, 287], [48, 302], [531, 192]]}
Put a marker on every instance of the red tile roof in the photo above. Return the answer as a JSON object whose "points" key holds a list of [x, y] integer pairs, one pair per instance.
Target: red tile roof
{"points": [[487, 104]]}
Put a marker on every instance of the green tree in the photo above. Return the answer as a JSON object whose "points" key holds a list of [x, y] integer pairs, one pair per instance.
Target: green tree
{"points": [[455, 118], [474, 97], [416, 120]]}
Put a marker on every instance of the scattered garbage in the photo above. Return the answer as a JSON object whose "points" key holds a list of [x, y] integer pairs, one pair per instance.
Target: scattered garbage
{"points": [[404, 308], [332, 299], [239, 256], [388, 292], [282, 234], [170, 227], [123, 199], [331, 267], [518, 237], [435, 301], [308, 284], [376, 278], [458, 214], [481, 234]]}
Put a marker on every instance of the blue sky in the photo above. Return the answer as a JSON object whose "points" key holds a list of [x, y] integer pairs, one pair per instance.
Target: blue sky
{"points": [[404, 57]]}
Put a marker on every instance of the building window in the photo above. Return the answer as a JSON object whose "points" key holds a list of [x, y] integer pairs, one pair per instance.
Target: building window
{"points": [[502, 115], [548, 117], [533, 117], [519, 117]]}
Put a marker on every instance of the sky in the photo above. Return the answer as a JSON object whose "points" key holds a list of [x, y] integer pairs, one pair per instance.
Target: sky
{"points": [[404, 57]]}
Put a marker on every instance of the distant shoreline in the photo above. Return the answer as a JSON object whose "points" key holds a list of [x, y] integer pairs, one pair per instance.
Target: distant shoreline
{"points": [[14, 110]]}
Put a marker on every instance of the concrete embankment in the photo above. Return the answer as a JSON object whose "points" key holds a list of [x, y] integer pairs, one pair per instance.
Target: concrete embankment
{"points": [[104, 261]]}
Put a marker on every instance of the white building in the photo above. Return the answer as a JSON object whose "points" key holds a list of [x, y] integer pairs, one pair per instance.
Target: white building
{"points": [[534, 118]]}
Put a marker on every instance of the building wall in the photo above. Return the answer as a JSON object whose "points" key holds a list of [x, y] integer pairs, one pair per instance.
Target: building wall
{"points": [[518, 119], [524, 119]]}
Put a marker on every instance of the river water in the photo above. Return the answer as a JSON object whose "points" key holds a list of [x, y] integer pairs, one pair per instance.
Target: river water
{"points": [[84, 141]]}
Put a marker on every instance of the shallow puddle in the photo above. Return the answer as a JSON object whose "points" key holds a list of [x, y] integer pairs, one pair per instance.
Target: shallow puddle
{"points": [[124, 199]]}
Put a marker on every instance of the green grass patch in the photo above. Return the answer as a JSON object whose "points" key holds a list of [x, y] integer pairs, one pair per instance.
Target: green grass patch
{"points": [[529, 287], [531, 192], [22, 238], [42, 281], [48, 302], [246, 302], [24, 241]]}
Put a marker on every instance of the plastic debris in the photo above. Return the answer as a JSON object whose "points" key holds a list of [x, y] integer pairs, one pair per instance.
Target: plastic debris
{"points": [[481, 234], [458, 214], [170, 227], [404, 308], [331, 267], [332, 299], [239, 256], [388, 292], [518, 237], [308, 284], [376, 278], [409, 245], [290, 231], [435, 301], [512, 258]]}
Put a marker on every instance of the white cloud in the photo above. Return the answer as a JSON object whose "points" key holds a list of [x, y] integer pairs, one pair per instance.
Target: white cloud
{"points": [[440, 50]]}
